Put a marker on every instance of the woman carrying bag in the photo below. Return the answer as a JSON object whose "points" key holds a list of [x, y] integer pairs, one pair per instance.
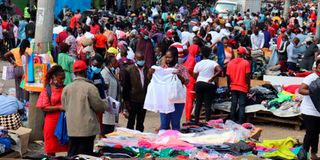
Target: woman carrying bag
{"points": [[50, 103], [162, 91]]}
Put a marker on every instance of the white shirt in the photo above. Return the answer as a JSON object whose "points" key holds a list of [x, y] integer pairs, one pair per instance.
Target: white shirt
{"points": [[58, 29], [206, 69], [89, 35], [307, 106], [185, 37], [225, 32], [215, 37], [257, 41], [129, 56]]}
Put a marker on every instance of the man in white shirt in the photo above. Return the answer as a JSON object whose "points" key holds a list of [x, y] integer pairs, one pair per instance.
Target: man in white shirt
{"points": [[88, 34], [257, 40]]}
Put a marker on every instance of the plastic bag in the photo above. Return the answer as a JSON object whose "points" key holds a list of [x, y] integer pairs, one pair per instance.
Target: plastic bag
{"points": [[240, 132], [61, 129], [177, 92]]}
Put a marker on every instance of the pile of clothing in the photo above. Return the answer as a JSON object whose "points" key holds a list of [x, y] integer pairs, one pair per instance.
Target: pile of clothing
{"points": [[283, 98], [214, 140], [5, 141]]}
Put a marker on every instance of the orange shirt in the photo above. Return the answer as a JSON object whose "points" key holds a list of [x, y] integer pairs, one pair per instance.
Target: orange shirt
{"points": [[17, 56], [101, 41]]}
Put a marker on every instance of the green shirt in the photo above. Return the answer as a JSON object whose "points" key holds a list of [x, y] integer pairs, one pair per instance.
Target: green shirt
{"points": [[66, 62]]}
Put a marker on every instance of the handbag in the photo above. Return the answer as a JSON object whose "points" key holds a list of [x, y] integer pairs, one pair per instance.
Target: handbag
{"points": [[61, 129], [11, 121], [177, 92], [8, 72]]}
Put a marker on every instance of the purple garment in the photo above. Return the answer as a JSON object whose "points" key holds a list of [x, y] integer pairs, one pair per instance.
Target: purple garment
{"points": [[146, 48]]}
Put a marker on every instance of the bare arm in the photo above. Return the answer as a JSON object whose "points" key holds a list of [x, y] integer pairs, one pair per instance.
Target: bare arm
{"points": [[217, 71], [304, 89]]}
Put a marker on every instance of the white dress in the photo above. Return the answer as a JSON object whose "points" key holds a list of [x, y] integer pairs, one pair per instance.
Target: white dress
{"points": [[157, 98]]}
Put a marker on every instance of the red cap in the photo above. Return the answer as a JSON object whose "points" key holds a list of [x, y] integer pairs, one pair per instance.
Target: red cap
{"points": [[79, 66], [242, 51], [169, 34]]}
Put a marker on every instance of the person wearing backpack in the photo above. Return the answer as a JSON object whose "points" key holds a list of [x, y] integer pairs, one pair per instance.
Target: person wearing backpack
{"points": [[50, 102], [310, 115]]}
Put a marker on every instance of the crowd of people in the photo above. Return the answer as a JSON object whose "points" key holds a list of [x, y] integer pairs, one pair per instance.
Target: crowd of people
{"points": [[132, 57]]}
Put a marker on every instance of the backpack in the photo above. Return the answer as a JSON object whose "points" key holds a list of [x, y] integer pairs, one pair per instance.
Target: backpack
{"points": [[314, 89]]}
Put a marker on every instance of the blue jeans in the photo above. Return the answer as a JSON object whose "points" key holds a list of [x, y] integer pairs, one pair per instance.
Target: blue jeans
{"points": [[173, 118]]}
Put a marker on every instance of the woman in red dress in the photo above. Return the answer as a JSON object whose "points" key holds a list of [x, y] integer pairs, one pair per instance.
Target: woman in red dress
{"points": [[50, 103]]}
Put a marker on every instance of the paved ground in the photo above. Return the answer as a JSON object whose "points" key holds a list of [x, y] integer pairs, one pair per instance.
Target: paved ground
{"points": [[152, 121]]}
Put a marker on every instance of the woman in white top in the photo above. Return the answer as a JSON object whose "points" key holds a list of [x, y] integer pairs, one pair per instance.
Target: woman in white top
{"points": [[168, 115], [205, 72], [310, 115]]}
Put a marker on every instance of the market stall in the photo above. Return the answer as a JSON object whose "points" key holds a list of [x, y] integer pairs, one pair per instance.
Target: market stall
{"points": [[266, 102], [214, 140]]}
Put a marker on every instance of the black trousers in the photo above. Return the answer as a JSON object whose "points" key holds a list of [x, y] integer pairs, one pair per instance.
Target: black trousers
{"points": [[136, 113], [106, 129], [204, 94], [238, 99], [81, 145], [311, 139]]}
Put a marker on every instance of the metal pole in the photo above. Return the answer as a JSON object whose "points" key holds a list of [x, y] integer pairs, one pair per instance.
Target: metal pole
{"points": [[318, 21], [286, 9], [43, 36]]}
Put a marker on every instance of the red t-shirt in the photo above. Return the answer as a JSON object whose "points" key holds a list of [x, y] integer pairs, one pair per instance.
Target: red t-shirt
{"points": [[5, 25], [94, 29], [101, 41], [237, 70]]}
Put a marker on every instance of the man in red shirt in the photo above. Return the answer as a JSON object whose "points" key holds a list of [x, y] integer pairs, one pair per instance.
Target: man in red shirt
{"points": [[238, 77]]}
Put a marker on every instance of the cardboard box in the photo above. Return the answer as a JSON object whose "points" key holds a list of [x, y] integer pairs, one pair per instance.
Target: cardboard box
{"points": [[23, 135]]}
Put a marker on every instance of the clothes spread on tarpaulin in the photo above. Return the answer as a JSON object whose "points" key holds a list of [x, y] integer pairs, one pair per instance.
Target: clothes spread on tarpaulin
{"points": [[260, 93], [157, 98]]}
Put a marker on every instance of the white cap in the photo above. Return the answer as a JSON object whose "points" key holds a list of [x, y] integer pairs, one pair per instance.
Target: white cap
{"points": [[228, 25], [195, 28]]}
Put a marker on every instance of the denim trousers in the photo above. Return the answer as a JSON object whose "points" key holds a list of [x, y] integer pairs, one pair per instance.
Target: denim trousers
{"points": [[238, 99], [172, 118]]}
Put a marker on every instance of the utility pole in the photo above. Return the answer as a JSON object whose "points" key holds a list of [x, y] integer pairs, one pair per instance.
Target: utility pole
{"points": [[286, 9], [43, 37], [318, 21]]}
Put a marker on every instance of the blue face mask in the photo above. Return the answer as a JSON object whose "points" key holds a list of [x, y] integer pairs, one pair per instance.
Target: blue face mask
{"points": [[174, 27], [95, 69], [146, 37], [140, 63]]}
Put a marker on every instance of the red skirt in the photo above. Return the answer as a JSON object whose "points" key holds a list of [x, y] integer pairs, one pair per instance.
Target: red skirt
{"points": [[51, 143]]}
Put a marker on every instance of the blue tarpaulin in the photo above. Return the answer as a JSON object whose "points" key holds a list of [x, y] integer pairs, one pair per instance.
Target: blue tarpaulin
{"points": [[72, 4]]}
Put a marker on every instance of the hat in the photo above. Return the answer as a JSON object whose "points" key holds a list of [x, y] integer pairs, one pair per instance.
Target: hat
{"points": [[79, 66], [195, 28], [169, 34], [113, 51], [242, 51], [86, 41], [228, 25]]}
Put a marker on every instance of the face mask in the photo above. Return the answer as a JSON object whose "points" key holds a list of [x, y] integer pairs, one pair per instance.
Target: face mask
{"points": [[95, 69], [174, 27], [57, 84], [146, 37], [158, 57], [140, 63]]}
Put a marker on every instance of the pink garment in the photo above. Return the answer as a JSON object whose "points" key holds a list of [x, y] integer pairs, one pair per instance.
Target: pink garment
{"points": [[261, 148], [165, 142]]}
